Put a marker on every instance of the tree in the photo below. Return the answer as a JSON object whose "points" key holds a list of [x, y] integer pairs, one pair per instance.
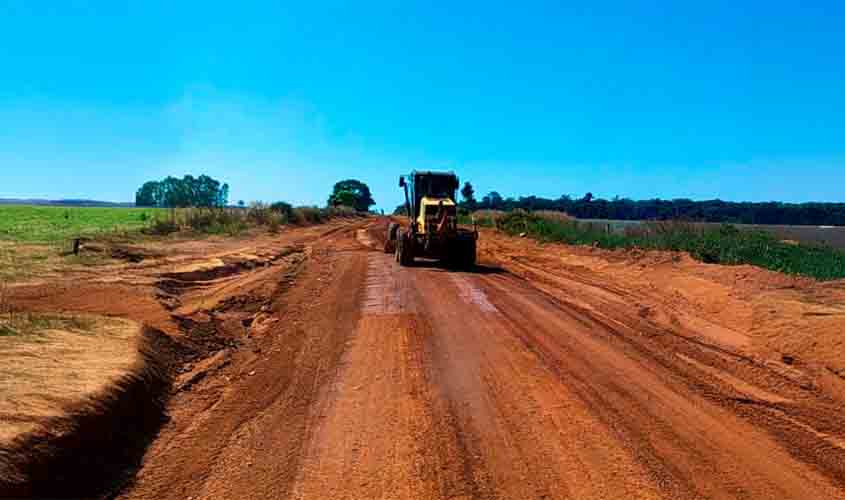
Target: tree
{"points": [[590, 207], [358, 195], [189, 191], [492, 201], [345, 199], [284, 208], [468, 194], [149, 195]]}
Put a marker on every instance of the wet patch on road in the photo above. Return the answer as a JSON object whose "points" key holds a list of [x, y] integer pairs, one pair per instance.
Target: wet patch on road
{"points": [[471, 294], [363, 237]]}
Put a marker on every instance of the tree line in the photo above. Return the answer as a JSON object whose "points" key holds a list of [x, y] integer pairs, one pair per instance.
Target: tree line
{"points": [[189, 191], [206, 192], [589, 207]]}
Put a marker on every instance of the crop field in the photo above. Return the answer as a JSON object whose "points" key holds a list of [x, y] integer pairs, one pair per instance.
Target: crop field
{"points": [[40, 224], [833, 236]]}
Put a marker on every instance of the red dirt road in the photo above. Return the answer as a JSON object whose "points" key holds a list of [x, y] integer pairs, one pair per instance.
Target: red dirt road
{"points": [[373, 381]]}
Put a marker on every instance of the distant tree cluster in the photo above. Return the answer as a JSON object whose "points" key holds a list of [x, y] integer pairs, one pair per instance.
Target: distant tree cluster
{"points": [[189, 191], [589, 207], [351, 193], [468, 195]]}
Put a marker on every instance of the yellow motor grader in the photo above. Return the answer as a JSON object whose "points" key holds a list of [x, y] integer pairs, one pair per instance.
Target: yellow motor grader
{"points": [[433, 230]]}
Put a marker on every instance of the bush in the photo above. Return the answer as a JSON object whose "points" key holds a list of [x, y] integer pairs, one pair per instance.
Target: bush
{"points": [[258, 213], [487, 218], [274, 225], [162, 225], [340, 211], [214, 220], [284, 209], [306, 215]]}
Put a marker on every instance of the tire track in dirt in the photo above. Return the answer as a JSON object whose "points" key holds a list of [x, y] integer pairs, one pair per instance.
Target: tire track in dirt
{"points": [[531, 434], [383, 430], [698, 448]]}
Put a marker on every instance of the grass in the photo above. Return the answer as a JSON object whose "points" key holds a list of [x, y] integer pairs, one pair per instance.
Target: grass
{"points": [[33, 325], [59, 225], [23, 324], [36, 224], [719, 245], [483, 218]]}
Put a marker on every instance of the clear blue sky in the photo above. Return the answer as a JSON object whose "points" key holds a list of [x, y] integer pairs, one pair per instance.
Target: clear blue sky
{"points": [[741, 100]]}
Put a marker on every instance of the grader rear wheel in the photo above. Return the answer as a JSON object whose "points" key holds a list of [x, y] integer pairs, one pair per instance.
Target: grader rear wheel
{"points": [[405, 249], [390, 238]]}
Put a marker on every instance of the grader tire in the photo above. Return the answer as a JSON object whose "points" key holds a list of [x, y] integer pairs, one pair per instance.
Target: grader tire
{"points": [[463, 256], [405, 250], [390, 239]]}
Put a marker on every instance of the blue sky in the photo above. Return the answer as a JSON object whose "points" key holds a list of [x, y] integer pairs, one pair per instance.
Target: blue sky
{"points": [[735, 100]]}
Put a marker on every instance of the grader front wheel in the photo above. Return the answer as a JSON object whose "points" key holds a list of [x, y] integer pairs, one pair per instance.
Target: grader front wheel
{"points": [[390, 239], [405, 249]]}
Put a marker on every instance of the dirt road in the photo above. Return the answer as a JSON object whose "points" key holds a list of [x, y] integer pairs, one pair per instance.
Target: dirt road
{"points": [[363, 380]]}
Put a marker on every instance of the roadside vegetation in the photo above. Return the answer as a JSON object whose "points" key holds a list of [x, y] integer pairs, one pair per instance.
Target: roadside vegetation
{"points": [[191, 206], [235, 221], [718, 245], [719, 211], [57, 226], [38, 239]]}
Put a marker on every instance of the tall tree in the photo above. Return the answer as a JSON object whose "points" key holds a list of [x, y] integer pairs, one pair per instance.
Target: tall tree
{"points": [[359, 195], [468, 194], [493, 201], [202, 191], [345, 199], [149, 195]]}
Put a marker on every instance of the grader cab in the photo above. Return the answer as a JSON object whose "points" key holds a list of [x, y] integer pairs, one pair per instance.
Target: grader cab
{"points": [[432, 230]]}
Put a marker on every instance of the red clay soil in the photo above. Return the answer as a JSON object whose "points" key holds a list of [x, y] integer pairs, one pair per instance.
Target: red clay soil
{"points": [[549, 372]]}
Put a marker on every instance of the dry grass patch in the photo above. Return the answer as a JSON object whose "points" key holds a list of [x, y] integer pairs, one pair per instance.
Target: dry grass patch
{"points": [[49, 363], [80, 398], [22, 261], [25, 261]]}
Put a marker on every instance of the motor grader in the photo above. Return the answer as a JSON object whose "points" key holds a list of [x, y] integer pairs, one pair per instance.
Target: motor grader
{"points": [[432, 230]]}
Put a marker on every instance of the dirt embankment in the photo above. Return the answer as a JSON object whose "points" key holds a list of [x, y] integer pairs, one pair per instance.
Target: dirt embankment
{"points": [[793, 324], [78, 408]]}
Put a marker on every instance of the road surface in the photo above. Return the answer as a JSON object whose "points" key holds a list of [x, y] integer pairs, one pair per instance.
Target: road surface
{"points": [[380, 382]]}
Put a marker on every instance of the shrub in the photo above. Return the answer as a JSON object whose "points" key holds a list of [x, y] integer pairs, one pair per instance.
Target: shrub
{"points": [[274, 224], [214, 220], [259, 213], [340, 211], [284, 209], [554, 215], [162, 226], [487, 218], [306, 215]]}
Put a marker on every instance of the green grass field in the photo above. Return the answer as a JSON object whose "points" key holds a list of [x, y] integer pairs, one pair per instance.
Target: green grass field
{"points": [[39, 224]]}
